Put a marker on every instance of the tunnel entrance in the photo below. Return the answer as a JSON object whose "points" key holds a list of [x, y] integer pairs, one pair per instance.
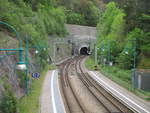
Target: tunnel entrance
{"points": [[84, 51]]}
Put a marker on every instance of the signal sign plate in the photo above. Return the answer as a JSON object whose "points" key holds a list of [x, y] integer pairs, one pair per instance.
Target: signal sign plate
{"points": [[35, 75]]}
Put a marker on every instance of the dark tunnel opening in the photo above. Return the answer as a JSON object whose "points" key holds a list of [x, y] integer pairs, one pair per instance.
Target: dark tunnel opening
{"points": [[84, 51]]}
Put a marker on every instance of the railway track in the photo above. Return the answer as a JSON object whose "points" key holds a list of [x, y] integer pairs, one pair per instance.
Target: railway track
{"points": [[81, 94], [70, 99]]}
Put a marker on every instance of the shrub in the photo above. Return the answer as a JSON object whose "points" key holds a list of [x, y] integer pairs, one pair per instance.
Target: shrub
{"points": [[133, 43], [75, 18], [8, 103], [91, 14], [21, 78], [83, 12], [125, 61]]}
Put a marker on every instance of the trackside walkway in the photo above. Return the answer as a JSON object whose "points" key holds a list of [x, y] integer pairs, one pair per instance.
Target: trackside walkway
{"points": [[137, 104], [50, 99]]}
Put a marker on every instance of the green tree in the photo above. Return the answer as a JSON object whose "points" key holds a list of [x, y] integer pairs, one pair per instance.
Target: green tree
{"points": [[83, 10], [111, 30], [135, 39], [75, 18], [91, 13]]}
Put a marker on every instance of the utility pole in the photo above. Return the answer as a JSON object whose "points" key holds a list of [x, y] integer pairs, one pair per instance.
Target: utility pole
{"points": [[27, 64], [95, 54]]}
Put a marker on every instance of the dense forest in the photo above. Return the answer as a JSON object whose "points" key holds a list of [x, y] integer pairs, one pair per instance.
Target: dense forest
{"points": [[82, 12], [123, 31]]}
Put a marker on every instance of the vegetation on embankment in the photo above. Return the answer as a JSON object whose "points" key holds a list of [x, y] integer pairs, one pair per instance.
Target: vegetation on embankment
{"points": [[34, 20], [120, 39], [118, 75], [30, 103], [89, 63], [123, 40], [8, 102]]}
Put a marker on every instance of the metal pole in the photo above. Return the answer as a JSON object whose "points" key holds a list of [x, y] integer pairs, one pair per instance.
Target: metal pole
{"points": [[54, 53], [95, 54], [20, 49], [134, 63], [27, 64], [20, 52], [20, 41], [108, 51], [8, 25], [102, 50]]}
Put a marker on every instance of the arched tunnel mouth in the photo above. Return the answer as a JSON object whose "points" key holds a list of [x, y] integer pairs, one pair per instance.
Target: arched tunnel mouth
{"points": [[84, 51]]}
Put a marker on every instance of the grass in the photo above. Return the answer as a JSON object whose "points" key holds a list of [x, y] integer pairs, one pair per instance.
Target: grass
{"points": [[30, 103], [120, 76], [90, 64]]}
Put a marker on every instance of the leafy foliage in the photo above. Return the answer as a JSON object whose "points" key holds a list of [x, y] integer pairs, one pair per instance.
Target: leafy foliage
{"points": [[125, 58], [83, 12], [75, 18], [122, 35], [111, 24], [8, 103], [34, 18], [90, 12], [111, 28]]}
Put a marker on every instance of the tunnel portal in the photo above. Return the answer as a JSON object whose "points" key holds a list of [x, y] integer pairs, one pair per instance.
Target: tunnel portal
{"points": [[84, 51]]}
